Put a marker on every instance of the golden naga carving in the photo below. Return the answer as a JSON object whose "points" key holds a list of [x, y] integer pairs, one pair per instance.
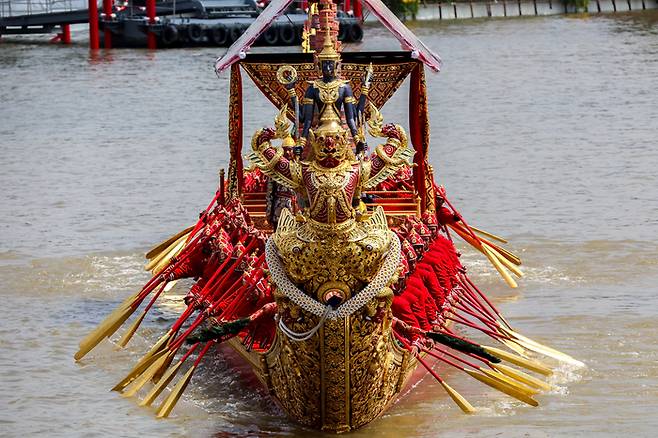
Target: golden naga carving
{"points": [[345, 376]]}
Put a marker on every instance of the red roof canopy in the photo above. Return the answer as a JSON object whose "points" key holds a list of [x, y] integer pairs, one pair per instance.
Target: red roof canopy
{"points": [[407, 39]]}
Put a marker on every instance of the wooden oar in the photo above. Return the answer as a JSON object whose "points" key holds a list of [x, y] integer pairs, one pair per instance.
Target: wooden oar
{"points": [[135, 325], [482, 245], [491, 256], [157, 259], [521, 376], [116, 319], [528, 364], [486, 233], [153, 363], [172, 345], [509, 265], [493, 374], [499, 267], [107, 327], [511, 257], [166, 378], [508, 254], [147, 374], [163, 351], [153, 252], [491, 361], [164, 262], [463, 404], [170, 402], [145, 361], [504, 387], [542, 349], [484, 297]]}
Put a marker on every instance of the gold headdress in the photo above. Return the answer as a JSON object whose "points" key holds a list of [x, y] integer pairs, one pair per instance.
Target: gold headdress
{"points": [[328, 52], [330, 127]]}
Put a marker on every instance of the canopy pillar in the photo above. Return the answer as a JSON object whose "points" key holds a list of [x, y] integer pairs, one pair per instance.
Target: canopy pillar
{"points": [[419, 128], [235, 133]]}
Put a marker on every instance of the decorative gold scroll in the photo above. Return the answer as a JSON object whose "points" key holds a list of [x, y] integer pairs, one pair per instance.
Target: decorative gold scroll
{"points": [[387, 79]]}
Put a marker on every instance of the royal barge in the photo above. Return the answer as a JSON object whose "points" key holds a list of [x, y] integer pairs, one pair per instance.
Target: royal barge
{"points": [[327, 259]]}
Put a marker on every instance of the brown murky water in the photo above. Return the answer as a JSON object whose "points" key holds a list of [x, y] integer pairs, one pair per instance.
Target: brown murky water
{"points": [[544, 131]]}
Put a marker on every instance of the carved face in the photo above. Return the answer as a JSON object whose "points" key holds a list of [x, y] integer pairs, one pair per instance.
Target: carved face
{"points": [[330, 148], [288, 152], [328, 69]]}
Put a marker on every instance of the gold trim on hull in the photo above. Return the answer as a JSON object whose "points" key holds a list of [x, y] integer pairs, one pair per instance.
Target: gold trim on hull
{"points": [[342, 378]]}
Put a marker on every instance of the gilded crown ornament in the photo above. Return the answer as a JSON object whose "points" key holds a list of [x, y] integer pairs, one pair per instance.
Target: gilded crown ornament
{"points": [[328, 52]]}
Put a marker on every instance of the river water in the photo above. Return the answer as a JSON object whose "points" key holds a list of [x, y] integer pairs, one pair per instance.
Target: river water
{"points": [[544, 131]]}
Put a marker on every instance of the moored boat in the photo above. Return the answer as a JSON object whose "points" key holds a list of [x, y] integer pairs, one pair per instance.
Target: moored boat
{"points": [[329, 267]]}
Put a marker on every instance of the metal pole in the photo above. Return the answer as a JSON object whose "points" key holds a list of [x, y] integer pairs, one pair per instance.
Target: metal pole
{"points": [[150, 13], [107, 10], [66, 34], [94, 42]]}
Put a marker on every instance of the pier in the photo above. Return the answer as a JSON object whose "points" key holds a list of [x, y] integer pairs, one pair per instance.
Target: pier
{"points": [[464, 9], [169, 23], [175, 23]]}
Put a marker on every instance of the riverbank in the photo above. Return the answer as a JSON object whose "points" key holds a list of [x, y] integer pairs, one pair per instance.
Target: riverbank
{"points": [[522, 8]]}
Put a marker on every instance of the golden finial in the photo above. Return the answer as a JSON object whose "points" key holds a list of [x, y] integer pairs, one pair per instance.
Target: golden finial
{"points": [[328, 52]]}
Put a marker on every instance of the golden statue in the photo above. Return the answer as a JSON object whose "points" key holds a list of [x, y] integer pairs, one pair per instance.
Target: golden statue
{"points": [[332, 248]]}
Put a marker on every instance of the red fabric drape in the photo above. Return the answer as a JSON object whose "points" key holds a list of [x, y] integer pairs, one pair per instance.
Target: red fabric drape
{"points": [[235, 132], [420, 131]]}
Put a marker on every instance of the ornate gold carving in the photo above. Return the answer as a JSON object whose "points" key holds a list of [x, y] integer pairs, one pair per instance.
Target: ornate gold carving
{"points": [[330, 193], [329, 90], [281, 124], [268, 163], [396, 141], [314, 253], [333, 288], [286, 74], [328, 52], [387, 78], [343, 377], [375, 121], [430, 196]]}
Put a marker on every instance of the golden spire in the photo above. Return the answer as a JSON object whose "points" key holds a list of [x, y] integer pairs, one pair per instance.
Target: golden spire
{"points": [[328, 52]]}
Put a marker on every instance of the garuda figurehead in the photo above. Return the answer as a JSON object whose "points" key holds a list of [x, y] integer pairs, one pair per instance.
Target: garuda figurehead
{"points": [[331, 144]]}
